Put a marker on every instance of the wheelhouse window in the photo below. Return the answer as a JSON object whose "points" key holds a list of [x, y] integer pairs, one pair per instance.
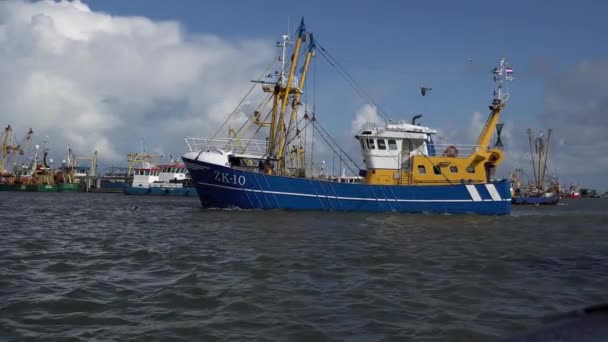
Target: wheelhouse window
{"points": [[371, 144], [470, 169], [362, 144], [421, 170], [392, 144], [437, 170], [381, 144], [454, 169]]}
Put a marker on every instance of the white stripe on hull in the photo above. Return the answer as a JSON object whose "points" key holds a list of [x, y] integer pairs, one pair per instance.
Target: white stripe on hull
{"points": [[493, 192], [474, 193]]}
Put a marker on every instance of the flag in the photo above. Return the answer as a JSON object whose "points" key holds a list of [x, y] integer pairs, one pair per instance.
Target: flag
{"points": [[509, 73]]}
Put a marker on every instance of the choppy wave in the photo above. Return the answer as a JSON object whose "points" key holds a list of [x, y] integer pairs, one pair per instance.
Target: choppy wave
{"points": [[88, 267]]}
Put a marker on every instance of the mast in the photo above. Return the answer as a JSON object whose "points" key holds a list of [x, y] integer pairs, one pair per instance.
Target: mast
{"points": [[5, 147], [539, 164], [545, 150], [502, 74], [276, 95], [280, 124], [296, 100], [532, 157], [539, 151], [24, 146], [546, 153]]}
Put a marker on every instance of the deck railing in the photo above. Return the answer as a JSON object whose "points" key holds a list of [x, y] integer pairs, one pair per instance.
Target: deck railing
{"points": [[242, 146], [461, 150]]}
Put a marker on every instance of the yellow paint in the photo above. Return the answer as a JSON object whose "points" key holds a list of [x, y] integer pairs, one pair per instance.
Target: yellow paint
{"points": [[382, 176], [273, 124]]}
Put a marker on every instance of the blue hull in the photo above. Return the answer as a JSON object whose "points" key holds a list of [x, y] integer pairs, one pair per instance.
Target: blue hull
{"points": [[159, 191], [520, 200], [225, 187], [131, 190]]}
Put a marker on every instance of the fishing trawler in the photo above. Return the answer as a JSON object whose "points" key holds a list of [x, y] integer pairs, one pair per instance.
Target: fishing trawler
{"points": [[34, 175], [573, 192], [66, 177], [405, 171], [537, 193], [152, 178], [142, 168], [173, 180]]}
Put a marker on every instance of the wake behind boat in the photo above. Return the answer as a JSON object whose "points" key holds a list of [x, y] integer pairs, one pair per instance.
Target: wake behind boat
{"points": [[405, 171]]}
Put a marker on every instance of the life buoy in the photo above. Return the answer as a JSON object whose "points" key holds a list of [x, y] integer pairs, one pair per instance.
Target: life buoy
{"points": [[450, 151]]}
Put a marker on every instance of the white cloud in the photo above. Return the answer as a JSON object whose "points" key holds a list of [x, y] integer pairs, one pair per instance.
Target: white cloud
{"points": [[575, 109], [102, 82], [365, 116], [475, 126]]}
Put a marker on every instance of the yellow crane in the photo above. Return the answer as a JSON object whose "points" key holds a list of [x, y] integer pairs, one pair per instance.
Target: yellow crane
{"points": [[5, 147], [144, 159], [10, 149]]}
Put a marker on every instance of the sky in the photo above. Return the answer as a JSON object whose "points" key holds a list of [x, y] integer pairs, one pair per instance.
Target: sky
{"points": [[106, 75]]}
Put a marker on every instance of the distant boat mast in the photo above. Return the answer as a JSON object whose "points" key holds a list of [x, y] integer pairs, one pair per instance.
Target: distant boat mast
{"points": [[539, 151]]}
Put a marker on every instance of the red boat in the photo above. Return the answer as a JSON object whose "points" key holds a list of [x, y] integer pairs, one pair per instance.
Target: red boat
{"points": [[573, 193]]}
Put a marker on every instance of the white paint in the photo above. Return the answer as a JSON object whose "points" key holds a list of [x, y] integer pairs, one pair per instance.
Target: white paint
{"points": [[493, 192], [211, 157], [474, 193]]}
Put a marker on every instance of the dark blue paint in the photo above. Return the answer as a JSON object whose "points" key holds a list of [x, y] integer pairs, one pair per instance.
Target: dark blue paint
{"points": [[310, 194]]}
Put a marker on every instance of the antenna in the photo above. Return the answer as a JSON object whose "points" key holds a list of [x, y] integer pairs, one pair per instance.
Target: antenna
{"points": [[502, 73]]}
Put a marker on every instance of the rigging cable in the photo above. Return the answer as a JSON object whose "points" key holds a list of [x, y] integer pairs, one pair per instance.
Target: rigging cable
{"points": [[243, 99], [347, 77], [330, 146], [337, 145], [261, 106]]}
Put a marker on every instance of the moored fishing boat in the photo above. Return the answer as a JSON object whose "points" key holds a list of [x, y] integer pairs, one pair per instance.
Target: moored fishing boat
{"points": [[573, 193], [404, 171], [65, 176], [538, 193], [142, 168], [173, 180], [153, 178]]}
